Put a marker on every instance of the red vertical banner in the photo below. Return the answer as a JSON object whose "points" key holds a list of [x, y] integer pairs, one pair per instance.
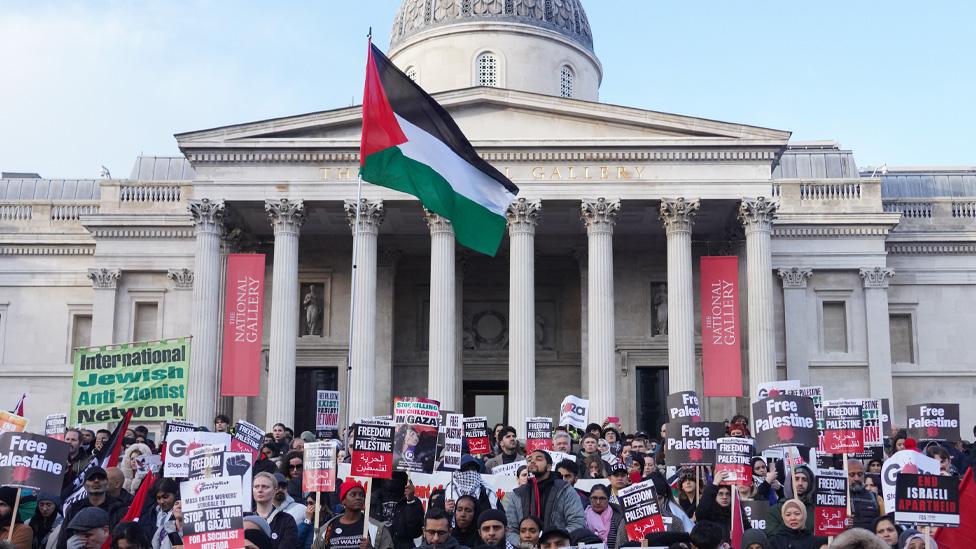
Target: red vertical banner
{"points": [[720, 330], [243, 324]]}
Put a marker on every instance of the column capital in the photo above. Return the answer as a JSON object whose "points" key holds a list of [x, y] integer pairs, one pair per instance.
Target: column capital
{"points": [[437, 223], [182, 278], [599, 215], [370, 212], [104, 279], [876, 277], [679, 214], [523, 215], [208, 215], [795, 277], [757, 214], [285, 215]]}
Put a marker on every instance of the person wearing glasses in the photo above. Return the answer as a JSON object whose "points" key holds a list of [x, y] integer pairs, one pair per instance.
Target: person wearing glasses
{"points": [[437, 532], [603, 518]]}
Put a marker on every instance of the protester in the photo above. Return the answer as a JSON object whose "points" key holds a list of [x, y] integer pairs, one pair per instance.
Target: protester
{"points": [[874, 466], [134, 474], [739, 426], [153, 522], [465, 525], [769, 488], [292, 464], [96, 485], [562, 442], [279, 440], [509, 450], [546, 497], [568, 471], [754, 538], [256, 539], [716, 505], [88, 529], [529, 530], [589, 457], [221, 424], [467, 481], [284, 502], [856, 538], [437, 532], [805, 481], [340, 531], [129, 535], [22, 536], [116, 479], [553, 538], [945, 460], [689, 493], [77, 459], [284, 529], [706, 535], [47, 519], [913, 539], [492, 525], [872, 483], [675, 518], [619, 479], [887, 530], [865, 505], [793, 534], [522, 475], [408, 518], [306, 528], [603, 518], [898, 441]]}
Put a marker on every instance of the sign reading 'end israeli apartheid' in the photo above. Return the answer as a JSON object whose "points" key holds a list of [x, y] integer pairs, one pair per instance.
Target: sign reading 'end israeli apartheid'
{"points": [[149, 378]]}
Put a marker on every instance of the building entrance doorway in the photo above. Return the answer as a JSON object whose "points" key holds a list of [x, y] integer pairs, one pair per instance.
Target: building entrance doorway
{"points": [[488, 399], [652, 397], [307, 382]]}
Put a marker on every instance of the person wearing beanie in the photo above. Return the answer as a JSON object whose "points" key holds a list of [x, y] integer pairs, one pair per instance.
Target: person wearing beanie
{"points": [[754, 538], [47, 518], [342, 530], [913, 539], [805, 483], [794, 534], [857, 538], [492, 525], [545, 496], [23, 536]]}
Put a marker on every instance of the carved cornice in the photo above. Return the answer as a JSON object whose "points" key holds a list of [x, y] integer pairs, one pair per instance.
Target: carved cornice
{"points": [[143, 232], [523, 215], [599, 215], [877, 277], [678, 215], [47, 250], [104, 278], [182, 278], [208, 215], [437, 223], [371, 214], [819, 231], [757, 214], [286, 216], [912, 248], [795, 277]]}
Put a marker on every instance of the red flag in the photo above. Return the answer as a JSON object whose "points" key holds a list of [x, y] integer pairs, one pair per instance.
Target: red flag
{"points": [[963, 537], [736, 533], [19, 408], [138, 502]]}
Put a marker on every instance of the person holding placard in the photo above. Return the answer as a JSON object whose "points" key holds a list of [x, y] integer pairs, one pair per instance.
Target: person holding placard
{"points": [[284, 530], [716, 505], [508, 446], [804, 481], [865, 505]]}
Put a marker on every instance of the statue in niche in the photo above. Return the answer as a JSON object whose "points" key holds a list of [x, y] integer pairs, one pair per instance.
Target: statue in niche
{"points": [[660, 310], [312, 303], [540, 334]]}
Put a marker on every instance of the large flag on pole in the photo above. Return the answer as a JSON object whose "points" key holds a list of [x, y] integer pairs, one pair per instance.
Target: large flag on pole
{"points": [[411, 144], [107, 457]]}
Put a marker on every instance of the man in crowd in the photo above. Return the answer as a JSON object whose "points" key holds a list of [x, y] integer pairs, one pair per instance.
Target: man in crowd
{"points": [[96, 485], [88, 529], [551, 499], [116, 478], [590, 453], [619, 479], [285, 503], [865, 505], [566, 469], [492, 525], [509, 445], [77, 459], [221, 424], [554, 538], [437, 532], [562, 442]]}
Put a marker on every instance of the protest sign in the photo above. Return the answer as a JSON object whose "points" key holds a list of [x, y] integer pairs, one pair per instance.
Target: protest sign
{"points": [[928, 500], [684, 407], [327, 413], [247, 438], [180, 444], [733, 455], [415, 441], [55, 425], [206, 462], [886, 424], [816, 393], [720, 329], [453, 439], [319, 467], [243, 326], [831, 503], [692, 443], [933, 422], [905, 461], [843, 426], [872, 417], [148, 378], [476, 433], [756, 513], [212, 513], [32, 461], [178, 426], [508, 469], [784, 420], [238, 464], [559, 456], [775, 388], [574, 411], [12, 423], [538, 434], [642, 514], [372, 449]]}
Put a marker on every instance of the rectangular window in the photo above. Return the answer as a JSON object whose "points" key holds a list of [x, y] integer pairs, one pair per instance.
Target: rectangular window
{"points": [[81, 331], [835, 326], [902, 340], [146, 321]]}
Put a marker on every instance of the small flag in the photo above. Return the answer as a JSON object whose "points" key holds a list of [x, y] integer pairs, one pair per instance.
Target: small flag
{"points": [[737, 524], [19, 408]]}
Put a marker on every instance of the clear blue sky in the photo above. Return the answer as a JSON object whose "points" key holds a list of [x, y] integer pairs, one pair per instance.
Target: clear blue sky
{"points": [[87, 83]]}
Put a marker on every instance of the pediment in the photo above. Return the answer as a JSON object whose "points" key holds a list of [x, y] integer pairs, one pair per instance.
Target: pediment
{"points": [[493, 117]]}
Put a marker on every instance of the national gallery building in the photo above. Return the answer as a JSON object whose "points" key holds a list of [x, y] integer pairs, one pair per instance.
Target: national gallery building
{"points": [[861, 281]]}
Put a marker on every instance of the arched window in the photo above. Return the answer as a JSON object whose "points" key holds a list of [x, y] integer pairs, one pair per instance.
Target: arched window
{"points": [[566, 81], [411, 73], [488, 70]]}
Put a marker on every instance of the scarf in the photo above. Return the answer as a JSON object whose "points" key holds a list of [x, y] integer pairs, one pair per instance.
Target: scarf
{"points": [[599, 523], [466, 483]]}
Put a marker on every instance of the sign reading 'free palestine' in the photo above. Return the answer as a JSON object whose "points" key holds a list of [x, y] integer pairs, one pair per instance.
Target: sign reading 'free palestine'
{"points": [[150, 378]]}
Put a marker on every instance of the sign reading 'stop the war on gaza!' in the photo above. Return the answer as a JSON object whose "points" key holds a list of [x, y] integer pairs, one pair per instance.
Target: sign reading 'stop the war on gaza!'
{"points": [[149, 378]]}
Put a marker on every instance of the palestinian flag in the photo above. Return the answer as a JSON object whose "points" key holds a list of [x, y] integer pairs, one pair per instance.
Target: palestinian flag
{"points": [[412, 145]]}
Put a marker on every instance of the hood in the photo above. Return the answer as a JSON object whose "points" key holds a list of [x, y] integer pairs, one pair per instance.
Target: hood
{"points": [[858, 537]]}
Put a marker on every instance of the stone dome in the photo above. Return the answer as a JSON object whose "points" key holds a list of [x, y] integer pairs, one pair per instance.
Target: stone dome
{"points": [[565, 17]]}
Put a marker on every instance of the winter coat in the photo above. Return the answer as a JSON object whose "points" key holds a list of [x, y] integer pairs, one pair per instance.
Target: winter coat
{"points": [[284, 529], [563, 509], [293, 508], [858, 537], [133, 479], [408, 523], [23, 535], [709, 509], [774, 518], [115, 509], [788, 538], [383, 538]]}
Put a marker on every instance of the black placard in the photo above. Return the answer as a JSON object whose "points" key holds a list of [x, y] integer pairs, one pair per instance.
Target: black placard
{"points": [[783, 421], [692, 443], [933, 422], [929, 500], [684, 407], [32, 461]]}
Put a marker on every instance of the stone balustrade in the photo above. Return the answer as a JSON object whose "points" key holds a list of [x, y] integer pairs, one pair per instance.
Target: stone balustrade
{"points": [[41, 213], [933, 213], [836, 196]]}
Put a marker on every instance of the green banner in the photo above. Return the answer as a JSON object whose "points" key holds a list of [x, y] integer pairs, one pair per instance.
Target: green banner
{"points": [[150, 378]]}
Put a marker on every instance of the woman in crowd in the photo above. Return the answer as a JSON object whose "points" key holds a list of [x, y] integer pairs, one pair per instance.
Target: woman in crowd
{"points": [[349, 527], [887, 530], [46, 518], [284, 531], [21, 537], [154, 522], [408, 516], [898, 442], [716, 505], [603, 518], [129, 535], [291, 465], [522, 475], [872, 483], [768, 481], [612, 437], [874, 466], [465, 521], [794, 534], [689, 493], [131, 470], [529, 530], [306, 528]]}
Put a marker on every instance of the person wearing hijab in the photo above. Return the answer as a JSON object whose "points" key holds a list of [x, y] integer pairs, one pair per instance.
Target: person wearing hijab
{"points": [[22, 536], [913, 539], [793, 534]]}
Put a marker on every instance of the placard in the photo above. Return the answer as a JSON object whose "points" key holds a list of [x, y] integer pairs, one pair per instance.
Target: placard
{"points": [[32, 461], [574, 411], [692, 443], [327, 414], [684, 407], [756, 513], [784, 420], [212, 513], [476, 433], [180, 444], [206, 462], [55, 426], [243, 326], [886, 425], [372, 449], [319, 467], [872, 416], [238, 464], [775, 388], [720, 329], [415, 441], [538, 434], [12, 423], [843, 426], [905, 461], [831, 503], [453, 437], [733, 455], [508, 469], [927, 500], [247, 438], [933, 422], [642, 514], [178, 426]]}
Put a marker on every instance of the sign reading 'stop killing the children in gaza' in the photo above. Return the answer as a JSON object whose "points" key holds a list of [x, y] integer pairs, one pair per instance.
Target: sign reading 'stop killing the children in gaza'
{"points": [[150, 378]]}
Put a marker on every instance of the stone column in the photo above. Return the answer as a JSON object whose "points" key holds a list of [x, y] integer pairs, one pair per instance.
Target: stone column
{"points": [[795, 316], [442, 352], [757, 218], [385, 301], [287, 217], [678, 217], [523, 216], [362, 354], [879, 337], [208, 219], [600, 215], [105, 283]]}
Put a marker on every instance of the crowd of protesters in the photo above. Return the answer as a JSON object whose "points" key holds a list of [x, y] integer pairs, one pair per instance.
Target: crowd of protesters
{"points": [[546, 510]]}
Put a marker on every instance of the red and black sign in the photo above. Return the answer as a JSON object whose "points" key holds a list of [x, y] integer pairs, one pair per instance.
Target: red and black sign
{"points": [[642, 514], [933, 422], [928, 500], [247, 438], [476, 433], [319, 467], [538, 434], [684, 406], [692, 443], [831, 503], [734, 456], [783, 421], [843, 426], [372, 450], [32, 461]]}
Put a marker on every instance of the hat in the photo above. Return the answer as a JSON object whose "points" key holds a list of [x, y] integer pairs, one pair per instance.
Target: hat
{"points": [[259, 539], [7, 495], [347, 485], [96, 471], [553, 532], [641, 434], [467, 460], [618, 468], [259, 522], [282, 479], [494, 514], [754, 535], [47, 496], [88, 518], [795, 503], [307, 436], [583, 536]]}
